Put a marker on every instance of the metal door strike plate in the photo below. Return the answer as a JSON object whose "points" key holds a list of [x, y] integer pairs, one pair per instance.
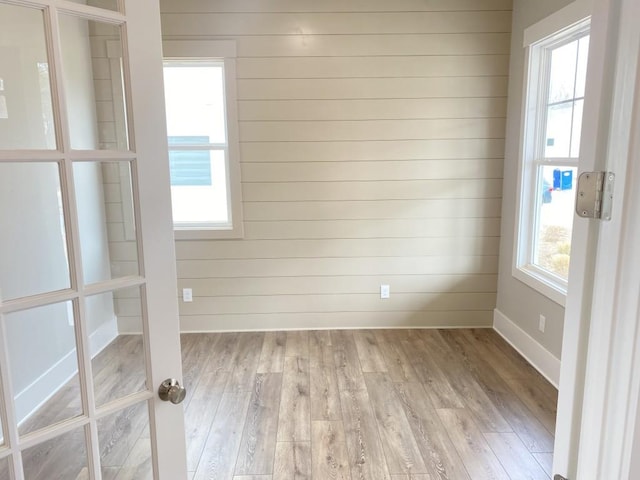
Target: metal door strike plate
{"points": [[594, 196]]}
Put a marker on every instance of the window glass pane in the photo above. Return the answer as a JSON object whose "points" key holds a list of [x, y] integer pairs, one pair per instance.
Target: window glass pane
{"points": [[198, 198], [106, 220], [194, 95], [41, 344], [556, 203], [581, 74], [577, 128], [558, 138], [61, 457], [33, 248], [94, 84], [26, 112], [562, 75]]}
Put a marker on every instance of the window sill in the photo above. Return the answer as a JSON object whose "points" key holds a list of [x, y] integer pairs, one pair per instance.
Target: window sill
{"points": [[208, 233], [542, 284]]}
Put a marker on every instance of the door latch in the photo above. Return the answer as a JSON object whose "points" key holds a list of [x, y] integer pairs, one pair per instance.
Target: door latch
{"points": [[559, 477], [594, 196]]}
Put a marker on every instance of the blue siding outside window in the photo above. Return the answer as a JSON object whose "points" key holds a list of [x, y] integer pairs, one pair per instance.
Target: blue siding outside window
{"points": [[189, 167]]}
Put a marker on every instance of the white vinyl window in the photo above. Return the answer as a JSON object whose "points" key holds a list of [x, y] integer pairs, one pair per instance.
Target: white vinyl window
{"points": [[554, 103], [202, 130]]}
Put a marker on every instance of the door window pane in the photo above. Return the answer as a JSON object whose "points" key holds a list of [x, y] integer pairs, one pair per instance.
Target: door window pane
{"points": [[26, 112], [92, 67], [556, 205], [61, 457], [33, 250], [119, 361], [125, 446], [106, 220], [4, 468], [43, 360]]}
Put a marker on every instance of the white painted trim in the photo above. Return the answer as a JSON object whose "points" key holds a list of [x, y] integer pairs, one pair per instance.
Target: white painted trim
{"points": [[293, 323], [539, 357], [563, 19], [225, 50], [32, 397]]}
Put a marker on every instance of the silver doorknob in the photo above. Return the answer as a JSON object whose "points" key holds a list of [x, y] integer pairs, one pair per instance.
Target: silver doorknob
{"points": [[171, 391]]}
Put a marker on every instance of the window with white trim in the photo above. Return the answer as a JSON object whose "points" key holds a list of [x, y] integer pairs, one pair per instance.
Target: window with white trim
{"points": [[202, 130], [552, 126]]}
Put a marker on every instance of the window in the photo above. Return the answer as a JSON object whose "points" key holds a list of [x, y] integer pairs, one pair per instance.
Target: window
{"points": [[202, 131], [551, 150]]}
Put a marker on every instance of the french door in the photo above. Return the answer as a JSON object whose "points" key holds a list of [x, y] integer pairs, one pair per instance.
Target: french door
{"points": [[88, 304]]}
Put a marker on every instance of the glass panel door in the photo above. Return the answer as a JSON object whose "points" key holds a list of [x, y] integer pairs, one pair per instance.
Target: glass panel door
{"points": [[80, 190]]}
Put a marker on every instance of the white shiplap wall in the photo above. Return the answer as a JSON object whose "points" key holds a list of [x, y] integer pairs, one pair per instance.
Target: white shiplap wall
{"points": [[372, 140]]}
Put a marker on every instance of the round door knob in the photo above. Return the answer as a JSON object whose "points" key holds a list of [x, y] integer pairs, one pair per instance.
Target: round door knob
{"points": [[171, 391]]}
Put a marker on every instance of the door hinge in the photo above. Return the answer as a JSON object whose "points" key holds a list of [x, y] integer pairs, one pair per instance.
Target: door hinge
{"points": [[594, 196], [559, 477]]}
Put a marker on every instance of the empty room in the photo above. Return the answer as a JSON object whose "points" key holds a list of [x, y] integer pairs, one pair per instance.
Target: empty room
{"points": [[329, 240]]}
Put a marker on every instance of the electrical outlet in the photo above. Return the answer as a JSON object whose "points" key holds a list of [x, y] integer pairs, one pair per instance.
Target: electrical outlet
{"points": [[384, 291], [542, 323], [187, 295]]}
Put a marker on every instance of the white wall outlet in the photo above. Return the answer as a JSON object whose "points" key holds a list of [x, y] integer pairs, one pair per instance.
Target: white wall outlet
{"points": [[542, 323], [187, 295], [384, 291]]}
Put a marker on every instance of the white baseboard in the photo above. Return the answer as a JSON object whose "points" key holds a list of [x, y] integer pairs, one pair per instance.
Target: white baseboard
{"points": [[46, 385], [330, 321], [539, 357]]}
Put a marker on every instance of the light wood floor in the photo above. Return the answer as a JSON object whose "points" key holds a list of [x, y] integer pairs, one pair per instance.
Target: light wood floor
{"points": [[375, 405]]}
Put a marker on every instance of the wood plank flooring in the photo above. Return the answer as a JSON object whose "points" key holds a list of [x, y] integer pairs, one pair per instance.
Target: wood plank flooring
{"points": [[335, 405]]}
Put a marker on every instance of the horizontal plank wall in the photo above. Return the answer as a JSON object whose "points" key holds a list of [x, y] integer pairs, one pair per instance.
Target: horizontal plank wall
{"points": [[372, 146]]}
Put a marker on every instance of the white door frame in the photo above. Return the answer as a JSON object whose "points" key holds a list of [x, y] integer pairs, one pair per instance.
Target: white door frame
{"points": [[148, 155], [597, 408], [145, 62]]}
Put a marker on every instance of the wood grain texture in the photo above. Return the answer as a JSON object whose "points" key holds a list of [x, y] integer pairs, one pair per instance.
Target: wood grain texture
{"points": [[476, 454], [401, 450], [272, 354], [440, 454], [436, 382], [294, 423], [366, 455], [223, 443], [324, 396], [514, 456], [485, 413], [530, 430], [293, 461], [371, 358], [200, 413], [355, 424], [329, 458], [347, 362], [258, 442], [297, 344]]}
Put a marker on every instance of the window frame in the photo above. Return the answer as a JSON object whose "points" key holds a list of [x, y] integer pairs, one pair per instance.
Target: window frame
{"points": [[539, 41], [224, 52]]}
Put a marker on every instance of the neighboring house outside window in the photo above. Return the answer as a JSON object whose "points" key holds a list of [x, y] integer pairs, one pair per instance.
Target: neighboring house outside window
{"points": [[202, 129], [550, 154]]}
